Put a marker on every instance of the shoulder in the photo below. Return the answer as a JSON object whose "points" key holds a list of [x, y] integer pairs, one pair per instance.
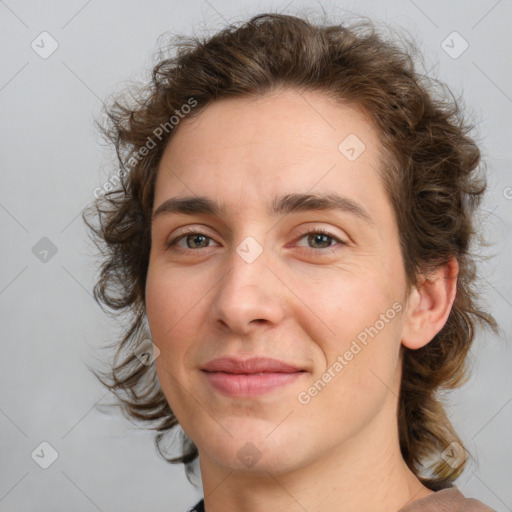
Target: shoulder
{"points": [[446, 500]]}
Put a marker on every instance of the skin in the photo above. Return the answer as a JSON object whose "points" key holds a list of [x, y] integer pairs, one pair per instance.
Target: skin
{"points": [[297, 302]]}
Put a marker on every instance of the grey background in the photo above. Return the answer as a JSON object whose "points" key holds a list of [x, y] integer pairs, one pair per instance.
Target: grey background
{"points": [[51, 162]]}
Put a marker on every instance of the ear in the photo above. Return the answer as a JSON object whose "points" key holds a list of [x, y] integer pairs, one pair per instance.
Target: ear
{"points": [[429, 305]]}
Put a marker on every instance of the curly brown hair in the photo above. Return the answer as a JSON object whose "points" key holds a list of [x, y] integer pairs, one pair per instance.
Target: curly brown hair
{"points": [[433, 176]]}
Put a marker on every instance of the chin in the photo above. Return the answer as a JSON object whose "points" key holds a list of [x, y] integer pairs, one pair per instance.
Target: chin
{"points": [[251, 445]]}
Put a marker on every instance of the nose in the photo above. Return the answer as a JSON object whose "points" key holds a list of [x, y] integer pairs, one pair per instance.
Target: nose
{"points": [[249, 294]]}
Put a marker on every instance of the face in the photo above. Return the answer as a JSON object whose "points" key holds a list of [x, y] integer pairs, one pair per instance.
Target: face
{"points": [[278, 317]]}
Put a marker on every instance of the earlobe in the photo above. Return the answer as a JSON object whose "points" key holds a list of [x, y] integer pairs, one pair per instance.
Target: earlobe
{"points": [[429, 306]]}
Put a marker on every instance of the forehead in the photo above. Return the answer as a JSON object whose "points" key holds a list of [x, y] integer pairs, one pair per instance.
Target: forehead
{"points": [[244, 149]]}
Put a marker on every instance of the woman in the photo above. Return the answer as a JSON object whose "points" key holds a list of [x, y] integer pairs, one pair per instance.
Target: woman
{"points": [[292, 234]]}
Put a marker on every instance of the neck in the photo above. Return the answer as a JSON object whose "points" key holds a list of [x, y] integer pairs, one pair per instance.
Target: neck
{"points": [[366, 474]]}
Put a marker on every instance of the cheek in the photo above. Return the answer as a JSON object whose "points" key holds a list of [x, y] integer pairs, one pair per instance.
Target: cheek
{"points": [[357, 340], [170, 298], [358, 376], [346, 304], [169, 307], [176, 308], [170, 310], [158, 302]]}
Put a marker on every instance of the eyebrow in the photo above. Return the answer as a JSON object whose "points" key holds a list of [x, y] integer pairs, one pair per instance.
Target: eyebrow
{"points": [[282, 205]]}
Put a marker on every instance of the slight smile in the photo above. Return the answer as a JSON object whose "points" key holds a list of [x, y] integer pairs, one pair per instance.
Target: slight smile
{"points": [[255, 376]]}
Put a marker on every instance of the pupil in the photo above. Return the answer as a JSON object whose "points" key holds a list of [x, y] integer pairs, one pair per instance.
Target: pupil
{"points": [[317, 239], [195, 239]]}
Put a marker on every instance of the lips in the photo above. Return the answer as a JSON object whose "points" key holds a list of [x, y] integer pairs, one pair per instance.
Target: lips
{"points": [[255, 376], [249, 366]]}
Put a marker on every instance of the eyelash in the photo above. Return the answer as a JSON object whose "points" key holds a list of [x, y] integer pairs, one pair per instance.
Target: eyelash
{"points": [[330, 248], [314, 231]]}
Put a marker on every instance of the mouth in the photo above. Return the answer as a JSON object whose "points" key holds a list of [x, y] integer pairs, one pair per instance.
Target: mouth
{"points": [[255, 376]]}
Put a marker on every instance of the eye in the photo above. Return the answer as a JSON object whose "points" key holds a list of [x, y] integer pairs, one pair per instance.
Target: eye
{"points": [[319, 240], [192, 240]]}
